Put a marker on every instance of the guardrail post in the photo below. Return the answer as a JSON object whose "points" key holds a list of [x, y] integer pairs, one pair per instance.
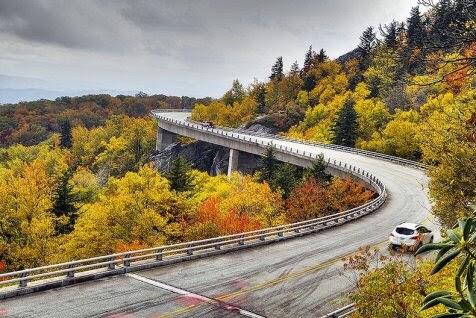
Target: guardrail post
{"points": [[218, 247], [262, 238], [189, 250], [158, 256], [127, 261], [24, 280], [70, 273], [242, 241], [280, 234], [112, 265]]}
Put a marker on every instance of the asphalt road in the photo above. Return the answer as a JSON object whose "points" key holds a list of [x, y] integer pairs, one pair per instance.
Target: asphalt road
{"points": [[295, 278]]}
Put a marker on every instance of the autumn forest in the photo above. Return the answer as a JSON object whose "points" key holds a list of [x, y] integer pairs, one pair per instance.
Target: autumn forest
{"points": [[78, 177]]}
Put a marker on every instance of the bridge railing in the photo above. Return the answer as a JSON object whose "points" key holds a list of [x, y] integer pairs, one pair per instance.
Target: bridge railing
{"points": [[14, 283], [341, 312], [171, 110], [363, 152]]}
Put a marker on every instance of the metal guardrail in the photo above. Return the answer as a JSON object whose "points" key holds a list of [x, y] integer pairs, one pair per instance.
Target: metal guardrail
{"points": [[18, 282], [342, 312], [367, 153], [363, 152], [171, 110]]}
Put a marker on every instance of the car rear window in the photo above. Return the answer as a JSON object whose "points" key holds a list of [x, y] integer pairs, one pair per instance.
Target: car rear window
{"points": [[404, 231]]}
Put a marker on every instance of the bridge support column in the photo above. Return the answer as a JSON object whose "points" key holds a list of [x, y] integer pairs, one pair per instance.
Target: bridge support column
{"points": [[164, 139], [233, 161]]}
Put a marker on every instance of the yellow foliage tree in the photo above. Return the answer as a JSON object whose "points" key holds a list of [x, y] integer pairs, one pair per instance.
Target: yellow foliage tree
{"points": [[27, 224], [241, 193], [123, 144], [399, 138], [139, 207], [226, 115], [448, 142]]}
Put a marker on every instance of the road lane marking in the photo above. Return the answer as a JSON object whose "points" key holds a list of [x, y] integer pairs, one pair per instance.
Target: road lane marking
{"points": [[276, 281], [183, 292], [293, 275]]}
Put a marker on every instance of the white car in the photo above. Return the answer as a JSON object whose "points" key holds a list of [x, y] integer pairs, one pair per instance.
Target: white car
{"points": [[410, 235]]}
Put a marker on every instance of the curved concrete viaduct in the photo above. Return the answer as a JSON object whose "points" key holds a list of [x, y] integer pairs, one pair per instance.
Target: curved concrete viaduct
{"points": [[294, 278]]}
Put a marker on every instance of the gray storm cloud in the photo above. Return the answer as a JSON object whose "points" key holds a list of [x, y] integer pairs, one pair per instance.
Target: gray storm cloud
{"points": [[193, 47], [71, 24]]}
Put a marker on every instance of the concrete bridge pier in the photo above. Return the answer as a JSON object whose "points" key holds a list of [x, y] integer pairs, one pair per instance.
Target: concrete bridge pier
{"points": [[164, 139], [233, 161]]}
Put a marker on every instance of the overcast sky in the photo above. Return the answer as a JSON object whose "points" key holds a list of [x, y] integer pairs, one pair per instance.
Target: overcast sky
{"points": [[177, 47]]}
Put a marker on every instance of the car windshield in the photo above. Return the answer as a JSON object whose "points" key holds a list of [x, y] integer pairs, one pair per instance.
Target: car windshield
{"points": [[404, 231]]}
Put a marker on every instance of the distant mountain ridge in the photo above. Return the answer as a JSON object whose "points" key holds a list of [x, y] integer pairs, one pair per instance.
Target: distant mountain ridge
{"points": [[354, 54], [14, 89], [15, 95]]}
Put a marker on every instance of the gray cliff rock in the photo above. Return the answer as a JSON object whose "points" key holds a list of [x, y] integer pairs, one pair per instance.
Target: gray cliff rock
{"points": [[202, 156]]}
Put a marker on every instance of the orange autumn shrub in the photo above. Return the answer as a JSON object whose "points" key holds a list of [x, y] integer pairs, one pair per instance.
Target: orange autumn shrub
{"points": [[312, 200], [233, 222], [347, 194], [211, 222], [307, 201], [132, 246]]}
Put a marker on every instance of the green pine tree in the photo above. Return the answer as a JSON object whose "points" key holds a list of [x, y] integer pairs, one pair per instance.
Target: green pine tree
{"points": [[179, 175], [322, 56], [309, 59], [345, 128], [277, 70], [260, 98], [269, 166], [309, 82], [66, 138], [368, 41], [416, 29], [390, 33], [64, 203], [235, 94], [287, 176], [318, 171]]}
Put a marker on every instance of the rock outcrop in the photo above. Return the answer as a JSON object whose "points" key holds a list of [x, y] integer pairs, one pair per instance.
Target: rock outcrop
{"points": [[201, 155]]}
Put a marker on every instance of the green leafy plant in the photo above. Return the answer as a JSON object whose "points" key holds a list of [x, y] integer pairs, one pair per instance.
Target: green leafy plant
{"points": [[460, 245]]}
